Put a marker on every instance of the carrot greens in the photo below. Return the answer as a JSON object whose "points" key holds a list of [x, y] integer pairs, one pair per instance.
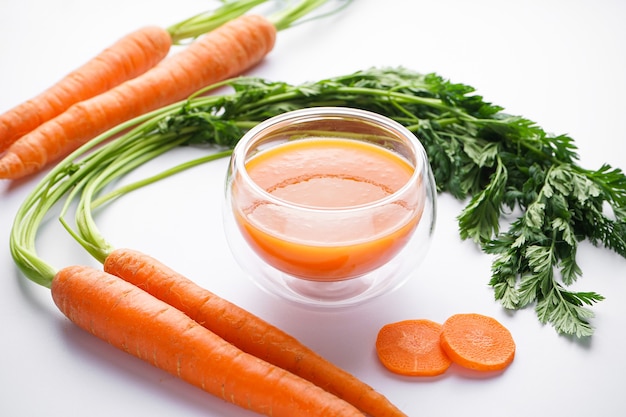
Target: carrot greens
{"points": [[499, 163], [282, 17]]}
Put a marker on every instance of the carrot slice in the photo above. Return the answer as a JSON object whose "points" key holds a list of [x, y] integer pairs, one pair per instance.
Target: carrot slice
{"points": [[412, 348], [477, 342]]}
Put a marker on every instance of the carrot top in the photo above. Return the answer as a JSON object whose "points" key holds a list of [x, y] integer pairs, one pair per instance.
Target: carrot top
{"points": [[284, 18], [192, 27]]}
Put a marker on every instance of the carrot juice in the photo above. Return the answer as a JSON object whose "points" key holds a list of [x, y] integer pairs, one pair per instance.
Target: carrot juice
{"points": [[329, 215]]}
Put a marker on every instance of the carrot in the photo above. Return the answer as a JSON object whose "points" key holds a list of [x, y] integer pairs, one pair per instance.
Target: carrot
{"points": [[477, 342], [412, 348], [138, 323], [244, 330], [127, 58], [222, 53]]}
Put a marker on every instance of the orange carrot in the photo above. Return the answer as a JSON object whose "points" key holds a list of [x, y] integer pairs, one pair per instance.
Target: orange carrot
{"points": [[129, 57], [220, 54], [138, 323], [477, 342], [245, 330], [412, 348]]}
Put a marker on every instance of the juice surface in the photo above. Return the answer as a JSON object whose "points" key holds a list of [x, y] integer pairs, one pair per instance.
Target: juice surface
{"points": [[328, 173]]}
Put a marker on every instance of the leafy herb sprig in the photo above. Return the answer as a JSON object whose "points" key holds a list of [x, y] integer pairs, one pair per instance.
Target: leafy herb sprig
{"points": [[513, 175]]}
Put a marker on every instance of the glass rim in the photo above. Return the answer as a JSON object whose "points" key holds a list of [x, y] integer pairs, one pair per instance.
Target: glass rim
{"points": [[396, 129]]}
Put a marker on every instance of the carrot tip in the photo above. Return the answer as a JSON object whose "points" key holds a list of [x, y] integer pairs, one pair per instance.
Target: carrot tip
{"points": [[10, 163]]}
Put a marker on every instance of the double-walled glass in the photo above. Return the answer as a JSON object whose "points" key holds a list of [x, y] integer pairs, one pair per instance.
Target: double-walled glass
{"points": [[329, 206]]}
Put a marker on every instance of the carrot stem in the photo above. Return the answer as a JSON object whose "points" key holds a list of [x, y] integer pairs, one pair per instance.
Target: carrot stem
{"points": [[202, 23], [118, 192], [68, 177], [88, 234], [290, 17], [189, 29], [136, 155]]}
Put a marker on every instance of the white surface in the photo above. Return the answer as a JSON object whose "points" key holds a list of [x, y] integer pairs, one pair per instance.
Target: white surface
{"points": [[560, 63]]}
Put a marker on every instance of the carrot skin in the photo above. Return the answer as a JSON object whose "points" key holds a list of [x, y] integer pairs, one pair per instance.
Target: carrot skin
{"points": [[127, 58], [245, 330], [138, 323], [220, 54]]}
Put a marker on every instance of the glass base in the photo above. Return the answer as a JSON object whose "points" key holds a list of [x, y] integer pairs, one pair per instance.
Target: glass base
{"points": [[328, 294]]}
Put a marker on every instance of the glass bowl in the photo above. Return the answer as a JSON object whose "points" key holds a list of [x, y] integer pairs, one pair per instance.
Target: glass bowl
{"points": [[329, 206]]}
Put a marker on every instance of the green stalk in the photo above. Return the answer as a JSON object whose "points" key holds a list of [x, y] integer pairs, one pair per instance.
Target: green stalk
{"points": [[195, 26], [202, 23], [137, 155], [119, 192], [88, 234], [67, 177], [290, 17]]}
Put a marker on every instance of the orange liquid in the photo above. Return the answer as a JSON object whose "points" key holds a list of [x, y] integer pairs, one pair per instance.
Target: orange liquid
{"points": [[327, 173]]}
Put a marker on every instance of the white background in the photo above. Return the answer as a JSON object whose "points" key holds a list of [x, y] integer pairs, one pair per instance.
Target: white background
{"points": [[559, 63]]}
